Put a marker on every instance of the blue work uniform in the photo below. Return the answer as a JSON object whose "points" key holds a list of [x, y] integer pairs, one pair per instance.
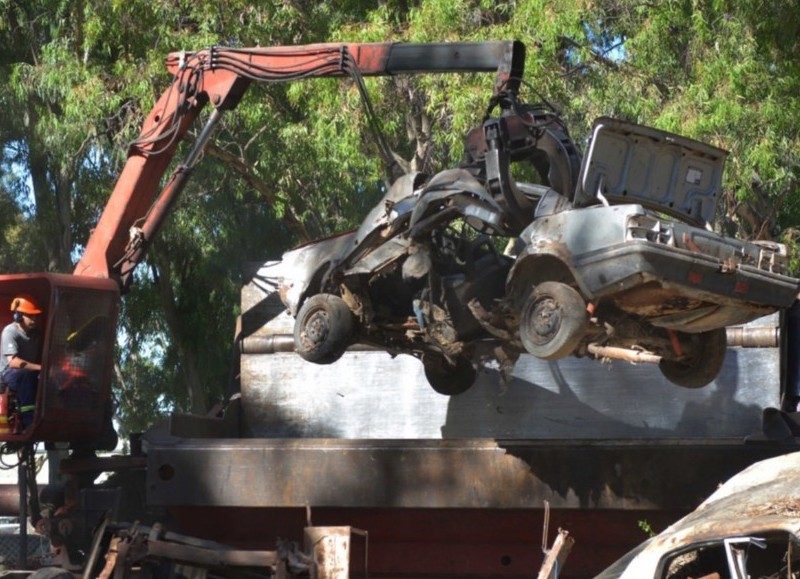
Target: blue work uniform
{"points": [[14, 342]]}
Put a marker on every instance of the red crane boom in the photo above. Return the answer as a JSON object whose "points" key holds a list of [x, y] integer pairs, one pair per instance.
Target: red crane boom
{"points": [[81, 309]]}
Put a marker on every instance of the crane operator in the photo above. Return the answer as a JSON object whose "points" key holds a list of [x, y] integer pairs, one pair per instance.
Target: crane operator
{"points": [[20, 348]]}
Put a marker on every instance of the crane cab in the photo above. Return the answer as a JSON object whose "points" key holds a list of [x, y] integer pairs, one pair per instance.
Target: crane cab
{"points": [[77, 332]]}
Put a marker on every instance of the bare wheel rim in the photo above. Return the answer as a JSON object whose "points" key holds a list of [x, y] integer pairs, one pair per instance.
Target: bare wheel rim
{"points": [[553, 321]]}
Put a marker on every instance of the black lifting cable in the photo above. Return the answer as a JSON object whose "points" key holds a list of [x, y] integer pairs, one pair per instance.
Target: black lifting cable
{"points": [[326, 62], [315, 65], [187, 82], [190, 79], [392, 166]]}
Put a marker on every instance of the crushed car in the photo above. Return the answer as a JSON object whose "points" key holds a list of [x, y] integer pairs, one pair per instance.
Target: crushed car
{"points": [[613, 258], [423, 275], [749, 527], [404, 280]]}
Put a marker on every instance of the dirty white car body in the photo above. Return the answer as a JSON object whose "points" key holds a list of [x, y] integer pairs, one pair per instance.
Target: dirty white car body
{"points": [[750, 527], [629, 267]]}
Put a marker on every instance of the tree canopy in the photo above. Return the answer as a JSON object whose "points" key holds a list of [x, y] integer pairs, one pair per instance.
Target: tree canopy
{"points": [[293, 162]]}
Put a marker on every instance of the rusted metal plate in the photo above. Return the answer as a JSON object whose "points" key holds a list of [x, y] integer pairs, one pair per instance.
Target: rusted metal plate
{"points": [[371, 395], [460, 481], [441, 474], [330, 549], [101, 464], [425, 543]]}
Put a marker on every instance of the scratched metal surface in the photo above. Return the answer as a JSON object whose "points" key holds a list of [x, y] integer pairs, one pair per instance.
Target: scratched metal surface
{"points": [[369, 394], [441, 474]]}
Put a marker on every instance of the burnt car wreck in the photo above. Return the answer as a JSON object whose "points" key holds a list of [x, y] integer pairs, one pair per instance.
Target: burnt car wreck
{"points": [[747, 528], [613, 257]]}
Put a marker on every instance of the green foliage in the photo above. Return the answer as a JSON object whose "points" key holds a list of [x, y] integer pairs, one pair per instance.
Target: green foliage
{"points": [[645, 526], [723, 73], [296, 161]]}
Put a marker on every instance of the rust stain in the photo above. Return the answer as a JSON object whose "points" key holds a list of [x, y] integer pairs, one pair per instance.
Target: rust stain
{"points": [[653, 300], [789, 507]]}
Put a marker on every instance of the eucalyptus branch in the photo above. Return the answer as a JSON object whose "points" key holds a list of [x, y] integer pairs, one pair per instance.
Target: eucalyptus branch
{"points": [[243, 169]]}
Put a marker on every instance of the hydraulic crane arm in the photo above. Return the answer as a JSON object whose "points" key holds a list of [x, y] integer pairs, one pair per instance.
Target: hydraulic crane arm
{"points": [[136, 210]]}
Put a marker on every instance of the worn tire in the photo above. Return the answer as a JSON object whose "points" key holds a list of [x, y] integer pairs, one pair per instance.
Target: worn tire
{"points": [[323, 329], [705, 353], [553, 321], [446, 378]]}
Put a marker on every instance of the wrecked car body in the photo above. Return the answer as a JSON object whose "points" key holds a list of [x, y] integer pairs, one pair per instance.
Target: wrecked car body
{"points": [[423, 275], [404, 280], [614, 257], [629, 269], [749, 527]]}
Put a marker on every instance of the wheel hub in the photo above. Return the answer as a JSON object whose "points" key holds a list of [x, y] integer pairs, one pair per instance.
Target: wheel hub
{"points": [[317, 328], [546, 320]]}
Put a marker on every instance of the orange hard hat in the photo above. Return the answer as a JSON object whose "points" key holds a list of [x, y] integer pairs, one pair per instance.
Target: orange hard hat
{"points": [[25, 304]]}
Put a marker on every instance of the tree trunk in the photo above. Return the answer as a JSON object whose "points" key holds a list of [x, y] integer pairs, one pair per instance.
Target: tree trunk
{"points": [[51, 191], [418, 126], [188, 357]]}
